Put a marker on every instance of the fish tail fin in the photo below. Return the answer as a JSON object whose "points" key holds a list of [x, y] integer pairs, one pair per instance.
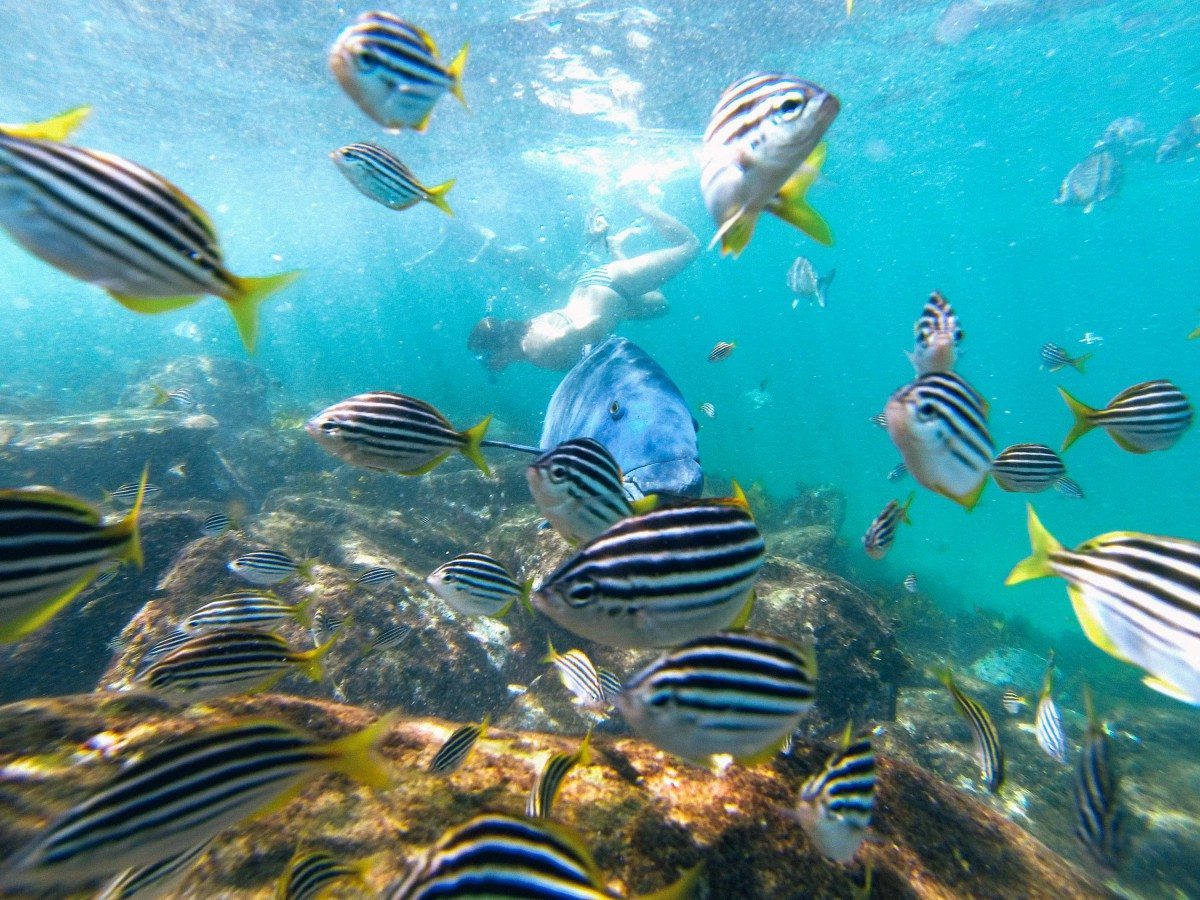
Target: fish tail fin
{"points": [[823, 285], [1080, 361], [437, 196], [912, 495], [1195, 334], [645, 504], [357, 755], [248, 295], [526, 595], [738, 497], [56, 128], [19, 627], [1037, 564], [683, 888], [311, 662], [304, 568], [735, 233], [551, 653], [302, 612], [160, 396], [1083, 419], [747, 610], [791, 205], [455, 69], [584, 754], [945, 676], [471, 449], [128, 526], [1048, 678]]}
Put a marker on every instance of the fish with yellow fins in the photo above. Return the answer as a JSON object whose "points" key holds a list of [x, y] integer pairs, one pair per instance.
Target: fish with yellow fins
{"points": [[1149, 416], [115, 224], [762, 152]]}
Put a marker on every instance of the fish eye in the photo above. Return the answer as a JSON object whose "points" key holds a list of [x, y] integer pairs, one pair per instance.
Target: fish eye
{"points": [[365, 62], [449, 578], [558, 473], [958, 335], [926, 411], [329, 427], [614, 407], [581, 593], [790, 109]]}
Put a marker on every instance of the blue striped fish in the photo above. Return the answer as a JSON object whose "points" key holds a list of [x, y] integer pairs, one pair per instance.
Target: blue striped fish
{"points": [[181, 398], [549, 782], [1149, 416], [267, 567], [910, 583], [939, 424], [936, 337], [156, 651], [721, 350], [610, 683], [836, 804], [245, 609], [579, 676], [881, 533], [310, 876], [740, 693], [1047, 723], [475, 584], [659, 578], [898, 471], [1069, 487], [1027, 468], [988, 749], [761, 153], [184, 792], [1055, 357], [1013, 702], [112, 223], [457, 747], [375, 576], [389, 638], [1099, 818], [392, 70], [216, 525], [160, 879], [128, 493], [383, 176], [390, 432]]}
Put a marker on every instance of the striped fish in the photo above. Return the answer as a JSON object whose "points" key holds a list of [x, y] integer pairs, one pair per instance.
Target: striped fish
{"points": [[988, 749], [454, 752], [181, 398], [1027, 468], [1137, 597], [216, 525], [939, 424], [107, 575], [1047, 724], [126, 495], [1149, 416], [497, 855], [836, 804], [881, 533], [392, 70], [549, 782], [267, 567], [1013, 702], [936, 337], [113, 223], [227, 662], [184, 792], [52, 546], [910, 583], [375, 576], [659, 578], [610, 682], [1055, 357], [160, 879], [736, 692], [709, 410], [898, 471], [390, 638], [310, 875], [879, 419], [169, 644], [1069, 487], [580, 677], [761, 152], [383, 176], [580, 489], [325, 625], [720, 351], [1099, 818], [475, 584], [390, 432], [244, 609]]}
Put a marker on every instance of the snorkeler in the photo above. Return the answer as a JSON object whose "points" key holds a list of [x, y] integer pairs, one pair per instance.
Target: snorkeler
{"points": [[604, 296]]}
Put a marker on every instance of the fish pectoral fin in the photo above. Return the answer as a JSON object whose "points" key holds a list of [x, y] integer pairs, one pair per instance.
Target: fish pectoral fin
{"points": [[735, 233], [1169, 689], [149, 306], [429, 466], [1092, 627], [969, 500], [57, 128], [1124, 443], [19, 627], [763, 756], [747, 609]]}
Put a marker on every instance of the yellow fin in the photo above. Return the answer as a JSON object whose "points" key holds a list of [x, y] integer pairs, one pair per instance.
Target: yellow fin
{"points": [[504, 610], [17, 628], [644, 504], [356, 755], [54, 129], [762, 756], [551, 654], [738, 497], [429, 466], [1079, 362], [1037, 564], [907, 503], [300, 611], [683, 888], [849, 10], [735, 233], [150, 306], [1083, 419], [1167, 689], [1124, 443], [744, 616], [161, 397], [1093, 630], [437, 196], [791, 205], [455, 69], [128, 526], [311, 661], [1195, 334], [249, 295], [471, 449]]}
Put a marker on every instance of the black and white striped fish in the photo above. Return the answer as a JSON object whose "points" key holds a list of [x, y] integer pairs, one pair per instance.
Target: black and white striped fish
{"points": [[390, 638], [735, 692], [475, 584], [390, 432], [392, 70], [580, 489], [310, 875], [1027, 468], [454, 752], [910, 583], [1137, 597], [160, 879], [1099, 818], [709, 410], [579, 676], [198, 785], [325, 625], [112, 223], [879, 419], [172, 642], [52, 546], [181, 398], [881, 533], [549, 781], [762, 152], [720, 351], [939, 424], [1047, 723], [1149, 416], [227, 662], [244, 609], [1069, 487], [216, 525], [899, 471], [659, 578], [267, 567], [1013, 702], [611, 683], [988, 749], [375, 576], [937, 335], [106, 576], [383, 176], [836, 804], [126, 495], [1055, 357]]}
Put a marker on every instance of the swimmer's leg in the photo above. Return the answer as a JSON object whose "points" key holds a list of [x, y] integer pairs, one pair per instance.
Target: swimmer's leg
{"points": [[650, 271]]}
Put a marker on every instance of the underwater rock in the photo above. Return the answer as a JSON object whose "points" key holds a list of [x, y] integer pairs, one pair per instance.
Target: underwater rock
{"points": [[822, 505], [232, 391], [1009, 666], [645, 815]]}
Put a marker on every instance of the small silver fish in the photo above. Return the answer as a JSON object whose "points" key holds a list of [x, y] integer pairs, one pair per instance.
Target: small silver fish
{"points": [[1096, 179], [803, 281], [1184, 138]]}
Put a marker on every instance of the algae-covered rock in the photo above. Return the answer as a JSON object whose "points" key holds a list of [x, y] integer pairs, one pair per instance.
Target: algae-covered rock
{"points": [[645, 815], [233, 391]]}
